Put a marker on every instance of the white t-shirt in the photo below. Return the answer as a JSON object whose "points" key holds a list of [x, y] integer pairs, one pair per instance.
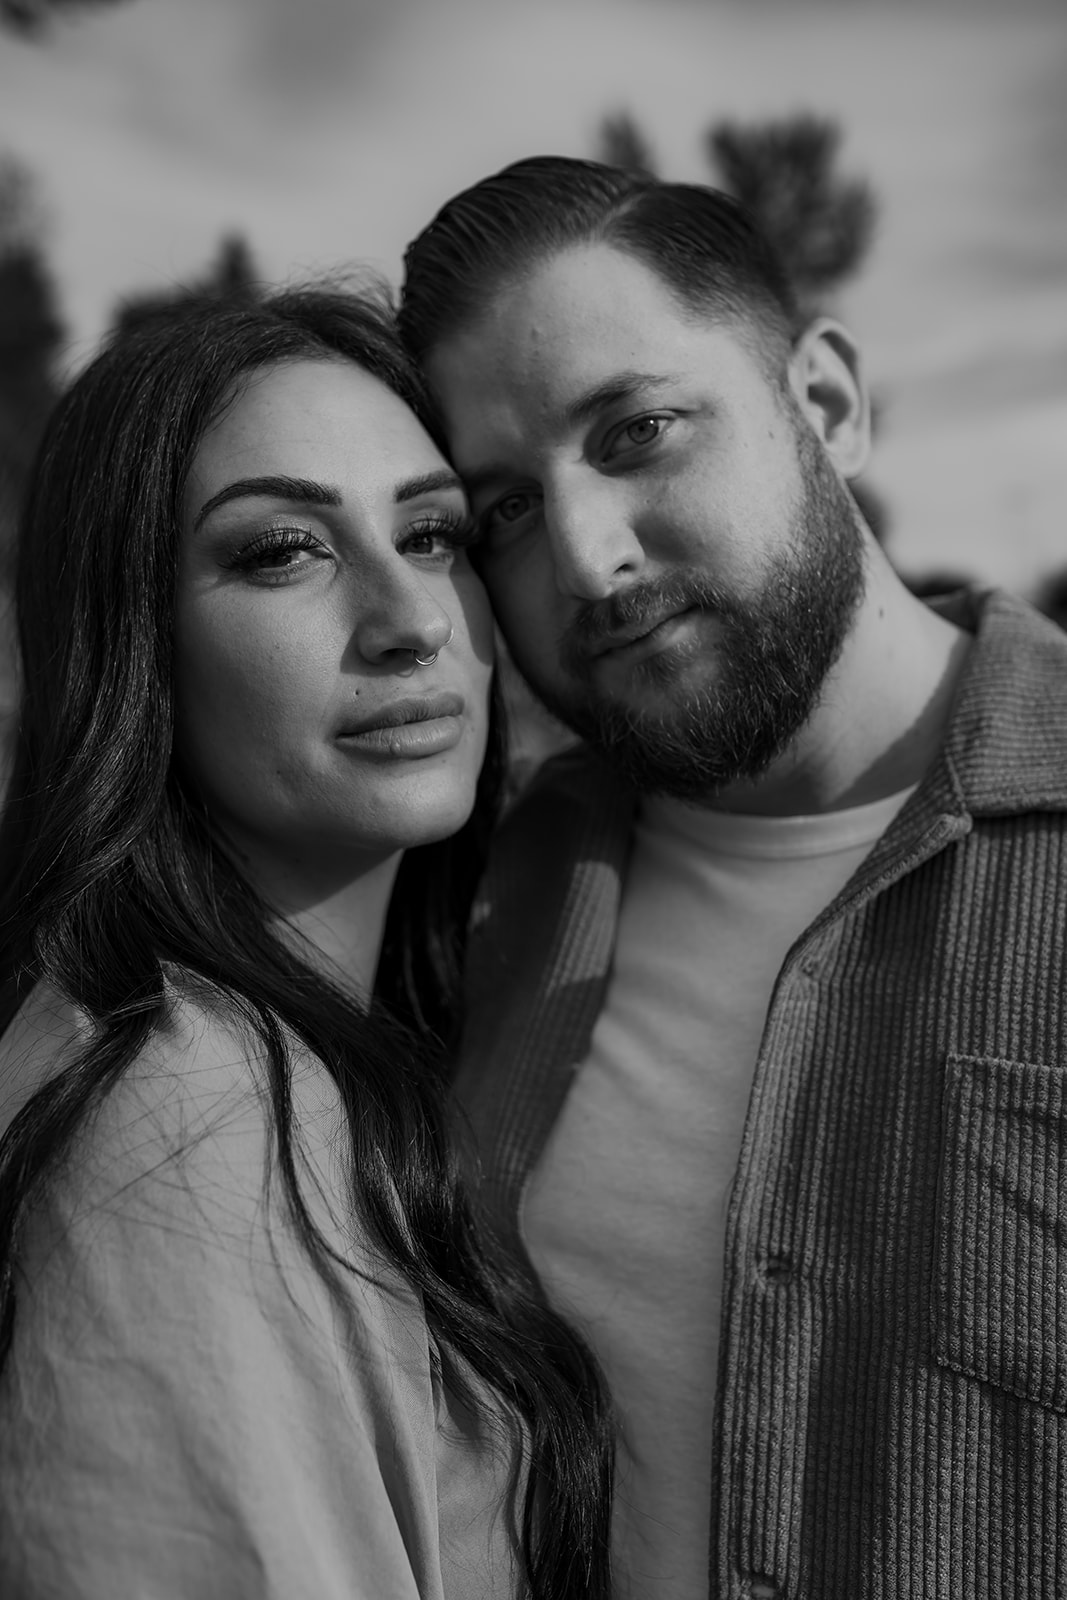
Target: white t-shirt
{"points": [[624, 1215]]}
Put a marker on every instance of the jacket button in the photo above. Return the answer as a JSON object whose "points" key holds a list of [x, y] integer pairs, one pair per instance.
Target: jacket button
{"points": [[776, 1271], [763, 1589]]}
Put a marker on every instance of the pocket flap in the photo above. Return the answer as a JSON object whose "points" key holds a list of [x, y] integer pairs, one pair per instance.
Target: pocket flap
{"points": [[1000, 1290]]}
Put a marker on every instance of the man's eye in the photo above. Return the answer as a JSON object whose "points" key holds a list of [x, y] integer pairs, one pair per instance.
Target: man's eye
{"points": [[512, 508], [635, 435]]}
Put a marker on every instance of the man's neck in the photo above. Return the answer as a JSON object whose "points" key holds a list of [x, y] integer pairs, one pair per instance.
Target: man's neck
{"points": [[881, 716]]}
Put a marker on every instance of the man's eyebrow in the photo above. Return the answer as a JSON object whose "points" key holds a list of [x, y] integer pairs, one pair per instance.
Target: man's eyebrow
{"points": [[620, 386], [303, 490], [428, 483]]}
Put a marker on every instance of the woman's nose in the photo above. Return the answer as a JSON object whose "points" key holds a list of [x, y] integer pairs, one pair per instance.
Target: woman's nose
{"points": [[405, 625]]}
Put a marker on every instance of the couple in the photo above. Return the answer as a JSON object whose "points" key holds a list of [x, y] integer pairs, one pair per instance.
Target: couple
{"points": [[762, 1043]]}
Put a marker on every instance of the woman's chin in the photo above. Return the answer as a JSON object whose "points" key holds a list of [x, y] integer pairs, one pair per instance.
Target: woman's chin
{"points": [[430, 823], [409, 817]]}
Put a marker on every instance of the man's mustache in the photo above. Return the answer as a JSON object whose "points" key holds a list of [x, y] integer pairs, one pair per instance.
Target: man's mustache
{"points": [[636, 610]]}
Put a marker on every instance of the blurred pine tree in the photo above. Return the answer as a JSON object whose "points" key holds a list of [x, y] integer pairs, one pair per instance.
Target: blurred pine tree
{"points": [[231, 276], [784, 172], [31, 333], [33, 16], [622, 144]]}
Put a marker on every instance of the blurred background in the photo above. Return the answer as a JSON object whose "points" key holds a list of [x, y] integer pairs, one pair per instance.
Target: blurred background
{"points": [[910, 155]]}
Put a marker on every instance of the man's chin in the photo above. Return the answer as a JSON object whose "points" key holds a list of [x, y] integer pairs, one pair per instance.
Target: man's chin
{"points": [[690, 736], [668, 686], [666, 658], [648, 715]]}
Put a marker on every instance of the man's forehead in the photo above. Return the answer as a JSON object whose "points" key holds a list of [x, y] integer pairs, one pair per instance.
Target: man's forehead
{"points": [[514, 369], [575, 318], [587, 291]]}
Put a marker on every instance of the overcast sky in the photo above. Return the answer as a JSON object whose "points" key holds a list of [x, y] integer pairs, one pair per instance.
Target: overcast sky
{"points": [[328, 130]]}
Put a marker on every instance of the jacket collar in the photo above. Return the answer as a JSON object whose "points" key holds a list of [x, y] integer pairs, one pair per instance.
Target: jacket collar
{"points": [[1006, 746], [1005, 749]]}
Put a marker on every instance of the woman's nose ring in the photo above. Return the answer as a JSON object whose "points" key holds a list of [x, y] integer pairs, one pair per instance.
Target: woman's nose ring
{"points": [[428, 661]]}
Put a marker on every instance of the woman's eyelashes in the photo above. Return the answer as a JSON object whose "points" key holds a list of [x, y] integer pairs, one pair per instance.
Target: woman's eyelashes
{"points": [[280, 553], [274, 555], [435, 537]]}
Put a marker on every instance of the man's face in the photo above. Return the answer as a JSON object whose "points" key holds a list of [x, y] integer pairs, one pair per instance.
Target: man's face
{"points": [[672, 558]]}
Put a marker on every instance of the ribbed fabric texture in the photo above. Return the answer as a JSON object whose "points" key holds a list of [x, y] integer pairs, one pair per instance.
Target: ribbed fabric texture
{"points": [[892, 1401]]}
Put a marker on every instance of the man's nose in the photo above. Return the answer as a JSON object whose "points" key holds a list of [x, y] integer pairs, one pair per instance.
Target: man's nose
{"points": [[595, 548]]}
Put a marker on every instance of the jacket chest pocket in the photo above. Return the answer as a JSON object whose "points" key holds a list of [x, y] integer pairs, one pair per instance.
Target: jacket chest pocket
{"points": [[1000, 1276]]}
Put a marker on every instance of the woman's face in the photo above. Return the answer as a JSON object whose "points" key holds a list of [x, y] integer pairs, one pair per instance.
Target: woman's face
{"points": [[323, 548]]}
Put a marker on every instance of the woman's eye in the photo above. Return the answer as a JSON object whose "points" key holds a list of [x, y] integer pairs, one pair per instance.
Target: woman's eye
{"points": [[636, 434], [275, 556], [437, 538]]}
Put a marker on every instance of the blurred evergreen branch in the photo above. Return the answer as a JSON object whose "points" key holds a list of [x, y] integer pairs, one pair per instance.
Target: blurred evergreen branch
{"points": [[622, 144], [32, 17], [785, 172], [1051, 596], [231, 276], [31, 333], [820, 223]]}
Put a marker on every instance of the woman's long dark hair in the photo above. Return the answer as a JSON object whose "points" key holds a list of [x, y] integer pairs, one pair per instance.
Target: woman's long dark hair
{"points": [[111, 874]]}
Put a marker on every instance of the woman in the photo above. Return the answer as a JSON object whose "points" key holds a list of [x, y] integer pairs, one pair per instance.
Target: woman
{"points": [[251, 1341]]}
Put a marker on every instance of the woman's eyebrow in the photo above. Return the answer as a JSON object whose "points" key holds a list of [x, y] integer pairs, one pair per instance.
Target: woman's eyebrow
{"points": [[278, 488], [427, 483]]}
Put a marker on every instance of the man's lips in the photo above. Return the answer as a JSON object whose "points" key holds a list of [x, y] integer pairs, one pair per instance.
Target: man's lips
{"points": [[640, 639], [407, 729]]}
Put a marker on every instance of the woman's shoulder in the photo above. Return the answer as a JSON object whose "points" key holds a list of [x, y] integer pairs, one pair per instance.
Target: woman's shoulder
{"points": [[42, 1039], [165, 1297], [194, 1102], [195, 1052]]}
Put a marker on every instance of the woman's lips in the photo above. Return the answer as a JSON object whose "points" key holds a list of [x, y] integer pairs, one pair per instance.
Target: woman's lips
{"points": [[408, 740], [408, 729]]}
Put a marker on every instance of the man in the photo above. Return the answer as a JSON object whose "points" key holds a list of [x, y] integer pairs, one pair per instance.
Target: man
{"points": [[767, 1040]]}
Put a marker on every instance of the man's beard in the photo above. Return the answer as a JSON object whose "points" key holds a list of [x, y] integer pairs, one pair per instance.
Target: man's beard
{"points": [[773, 654]]}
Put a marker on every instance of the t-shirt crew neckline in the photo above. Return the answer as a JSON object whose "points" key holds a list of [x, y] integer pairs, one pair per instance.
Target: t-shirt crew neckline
{"points": [[736, 833]]}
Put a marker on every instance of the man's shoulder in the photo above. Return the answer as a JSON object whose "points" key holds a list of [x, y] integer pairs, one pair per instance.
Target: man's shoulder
{"points": [[576, 770], [1005, 622], [573, 803], [573, 817], [1007, 741], [560, 850], [540, 948]]}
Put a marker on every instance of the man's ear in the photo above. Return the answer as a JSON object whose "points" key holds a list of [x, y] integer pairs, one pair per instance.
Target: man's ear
{"points": [[827, 381]]}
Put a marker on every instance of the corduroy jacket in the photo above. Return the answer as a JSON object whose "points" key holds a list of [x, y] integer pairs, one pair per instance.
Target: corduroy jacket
{"points": [[891, 1416]]}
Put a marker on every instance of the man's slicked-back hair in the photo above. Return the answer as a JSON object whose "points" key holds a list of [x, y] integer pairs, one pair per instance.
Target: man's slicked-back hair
{"points": [[701, 243]]}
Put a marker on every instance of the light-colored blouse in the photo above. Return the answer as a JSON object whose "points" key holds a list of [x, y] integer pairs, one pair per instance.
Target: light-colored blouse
{"points": [[187, 1410]]}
